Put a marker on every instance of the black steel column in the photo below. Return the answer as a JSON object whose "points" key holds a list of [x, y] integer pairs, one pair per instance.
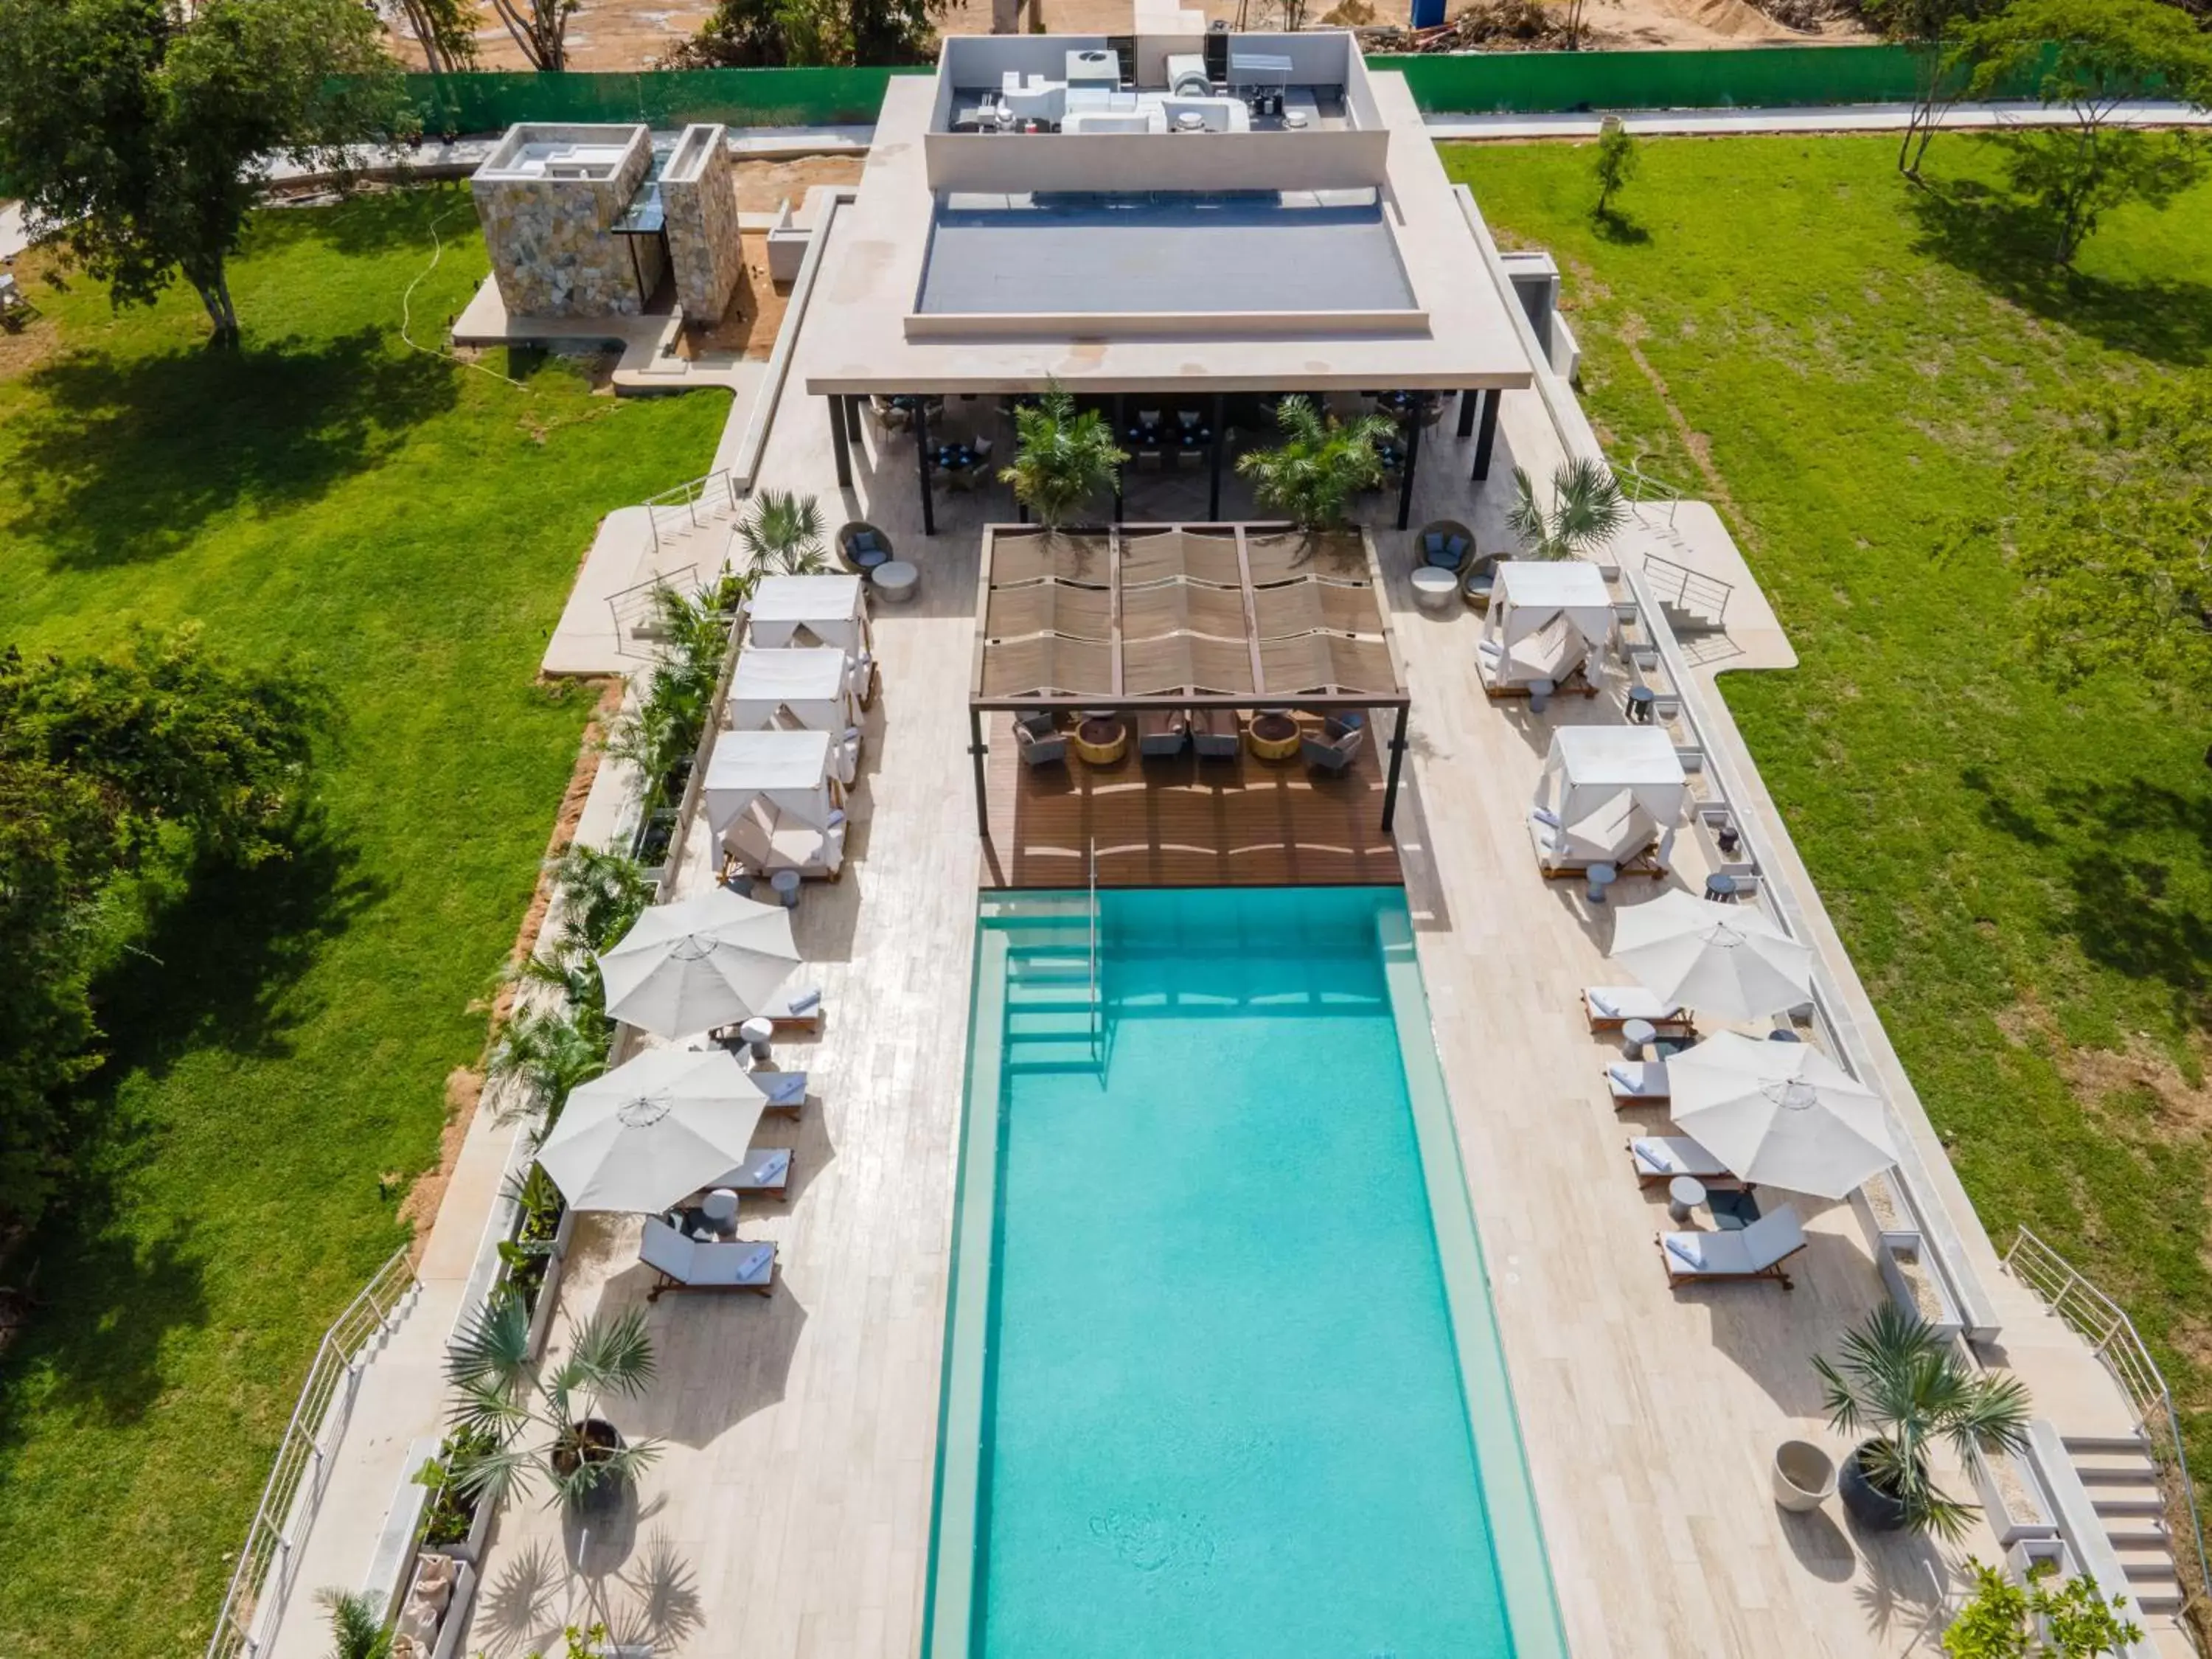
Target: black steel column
{"points": [[921, 460], [852, 418], [1486, 436], [977, 749], [1467, 399], [1406, 483], [1121, 427], [837, 440], [1221, 442], [1397, 760]]}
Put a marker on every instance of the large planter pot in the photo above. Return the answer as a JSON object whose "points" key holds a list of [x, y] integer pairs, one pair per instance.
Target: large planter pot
{"points": [[1804, 1476], [1873, 1508], [601, 1438]]}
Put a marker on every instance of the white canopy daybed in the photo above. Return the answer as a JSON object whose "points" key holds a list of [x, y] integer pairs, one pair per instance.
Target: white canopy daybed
{"points": [[812, 685], [772, 799], [784, 611], [1545, 617], [1608, 794]]}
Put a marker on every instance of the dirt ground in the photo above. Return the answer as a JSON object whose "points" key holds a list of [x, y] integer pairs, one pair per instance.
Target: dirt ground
{"points": [[761, 186], [632, 34]]}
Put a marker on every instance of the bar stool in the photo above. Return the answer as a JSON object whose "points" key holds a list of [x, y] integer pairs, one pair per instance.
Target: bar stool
{"points": [[1720, 887], [1600, 877], [1639, 704]]}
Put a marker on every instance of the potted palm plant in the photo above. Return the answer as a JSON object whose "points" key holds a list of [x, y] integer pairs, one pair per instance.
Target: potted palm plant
{"points": [[1311, 477], [554, 1431], [1062, 459], [782, 531], [548, 1052], [1588, 510], [1905, 1389]]}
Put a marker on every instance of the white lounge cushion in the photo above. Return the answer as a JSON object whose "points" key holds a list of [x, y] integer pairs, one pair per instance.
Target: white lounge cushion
{"points": [[1773, 1236], [1544, 816], [697, 1261], [782, 1088], [1689, 1249], [794, 1002], [1637, 1079], [1675, 1155], [1628, 1002], [765, 1169]]}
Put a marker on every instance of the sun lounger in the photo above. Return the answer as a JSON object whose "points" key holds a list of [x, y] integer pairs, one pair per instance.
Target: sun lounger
{"points": [[1213, 734], [1162, 732], [1662, 1158], [704, 1264], [786, 1091], [795, 1005], [766, 1170], [1612, 1006], [1754, 1252], [1637, 1082]]}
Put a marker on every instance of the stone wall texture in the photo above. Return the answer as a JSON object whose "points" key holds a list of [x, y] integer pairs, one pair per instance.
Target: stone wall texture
{"points": [[551, 249], [702, 231]]}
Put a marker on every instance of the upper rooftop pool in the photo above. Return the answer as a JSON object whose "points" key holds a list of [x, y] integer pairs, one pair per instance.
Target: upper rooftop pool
{"points": [[1221, 1378]]}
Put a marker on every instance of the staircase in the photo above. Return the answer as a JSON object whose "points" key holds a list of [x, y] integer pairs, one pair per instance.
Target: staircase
{"points": [[1055, 1008], [2121, 1480]]}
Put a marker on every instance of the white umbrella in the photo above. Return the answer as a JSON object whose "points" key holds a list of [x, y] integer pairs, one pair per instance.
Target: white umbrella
{"points": [[1779, 1113], [1726, 960], [653, 1130], [700, 962]]}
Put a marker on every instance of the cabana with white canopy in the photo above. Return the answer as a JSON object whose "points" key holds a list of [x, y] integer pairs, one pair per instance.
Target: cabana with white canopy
{"points": [[827, 609], [1545, 617], [1608, 794], [812, 685], [772, 799]]}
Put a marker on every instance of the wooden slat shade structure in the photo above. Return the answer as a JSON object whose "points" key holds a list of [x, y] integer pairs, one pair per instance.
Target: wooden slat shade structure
{"points": [[1138, 617]]}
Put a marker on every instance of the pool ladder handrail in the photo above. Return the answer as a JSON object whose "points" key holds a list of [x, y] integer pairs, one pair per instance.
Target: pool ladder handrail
{"points": [[1094, 1023]]}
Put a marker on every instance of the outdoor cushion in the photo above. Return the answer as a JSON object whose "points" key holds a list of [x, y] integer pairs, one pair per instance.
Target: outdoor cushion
{"points": [[1686, 1247], [1433, 543], [1772, 1238], [1655, 1153]]}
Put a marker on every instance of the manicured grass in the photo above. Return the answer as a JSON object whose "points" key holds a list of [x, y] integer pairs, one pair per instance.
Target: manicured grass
{"points": [[2023, 872], [408, 529]]}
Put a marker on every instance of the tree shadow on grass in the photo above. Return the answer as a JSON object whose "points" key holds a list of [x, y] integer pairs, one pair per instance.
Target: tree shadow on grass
{"points": [[374, 221], [2005, 244], [2133, 857], [220, 964], [1611, 225], [123, 461]]}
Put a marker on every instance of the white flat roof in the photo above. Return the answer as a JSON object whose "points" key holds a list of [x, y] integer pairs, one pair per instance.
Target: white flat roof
{"points": [[855, 337], [762, 760], [826, 598]]}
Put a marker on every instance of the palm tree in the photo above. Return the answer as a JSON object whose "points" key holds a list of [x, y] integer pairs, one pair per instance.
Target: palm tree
{"points": [[783, 533], [601, 892], [550, 1052], [1905, 1388], [1320, 464], [552, 1431], [356, 1629], [1588, 510], [1062, 459]]}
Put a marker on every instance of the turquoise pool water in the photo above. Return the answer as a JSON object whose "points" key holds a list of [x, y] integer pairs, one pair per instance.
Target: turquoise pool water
{"points": [[1209, 1373]]}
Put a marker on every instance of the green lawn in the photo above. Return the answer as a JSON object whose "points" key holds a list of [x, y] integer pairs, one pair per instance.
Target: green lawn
{"points": [[2023, 872], [409, 528]]}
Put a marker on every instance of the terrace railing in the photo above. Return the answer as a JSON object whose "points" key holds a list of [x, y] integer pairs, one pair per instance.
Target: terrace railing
{"points": [[2111, 1336], [263, 1578], [1639, 486], [692, 504], [1699, 599]]}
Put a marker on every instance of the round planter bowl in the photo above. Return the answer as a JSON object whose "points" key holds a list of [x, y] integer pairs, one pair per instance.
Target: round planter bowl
{"points": [[1875, 1511], [1804, 1476]]}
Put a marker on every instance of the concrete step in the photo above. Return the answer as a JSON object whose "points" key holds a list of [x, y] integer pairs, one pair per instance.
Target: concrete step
{"points": [[1031, 993], [2149, 1555], [2106, 1443], [1048, 1023], [2115, 1468], [2127, 1501], [1054, 967], [2139, 1532], [1034, 1057]]}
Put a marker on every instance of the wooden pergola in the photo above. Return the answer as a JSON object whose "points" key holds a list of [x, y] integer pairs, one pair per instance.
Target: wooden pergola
{"points": [[1129, 619]]}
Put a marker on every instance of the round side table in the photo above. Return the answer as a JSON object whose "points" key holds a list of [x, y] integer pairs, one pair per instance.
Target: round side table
{"points": [[1635, 1034], [754, 1033], [1684, 1194], [1435, 588], [1600, 877], [784, 883], [1540, 693], [895, 583]]}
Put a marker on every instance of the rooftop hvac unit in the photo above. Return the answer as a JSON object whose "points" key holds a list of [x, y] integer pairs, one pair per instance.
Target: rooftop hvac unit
{"points": [[1094, 66], [1187, 75]]}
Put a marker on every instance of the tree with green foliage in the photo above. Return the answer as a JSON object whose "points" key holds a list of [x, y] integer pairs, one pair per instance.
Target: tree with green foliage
{"points": [[2099, 54], [1930, 28], [771, 33], [1062, 459], [357, 1629], [1587, 511], [2005, 1619], [1614, 163], [782, 531], [1311, 477], [137, 131], [161, 753]]}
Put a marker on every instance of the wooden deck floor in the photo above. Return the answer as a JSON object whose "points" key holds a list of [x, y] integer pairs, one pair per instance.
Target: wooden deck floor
{"points": [[1178, 822]]}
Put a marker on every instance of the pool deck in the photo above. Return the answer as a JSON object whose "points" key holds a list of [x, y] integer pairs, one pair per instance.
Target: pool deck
{"points": [[789, 1512]]}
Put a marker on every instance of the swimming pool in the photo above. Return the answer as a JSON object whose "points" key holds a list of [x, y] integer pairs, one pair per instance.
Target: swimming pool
{"points": [[1221, 1377]]}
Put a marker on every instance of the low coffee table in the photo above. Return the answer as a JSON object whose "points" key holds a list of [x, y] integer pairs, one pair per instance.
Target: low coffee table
{"points": [[895, 581], [1100, 740], [1272, 737]]}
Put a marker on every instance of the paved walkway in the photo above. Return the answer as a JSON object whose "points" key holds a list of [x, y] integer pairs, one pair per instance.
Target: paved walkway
{"points": [[1828, 117]]}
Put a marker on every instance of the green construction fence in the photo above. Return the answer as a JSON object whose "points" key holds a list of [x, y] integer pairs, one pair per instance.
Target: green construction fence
{"points": [[1528, 82]]}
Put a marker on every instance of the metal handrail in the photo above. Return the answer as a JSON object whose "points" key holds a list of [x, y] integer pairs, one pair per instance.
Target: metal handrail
{"points": [[684, 500], [302, 1458], [2111, 1336], [1636, 483], [1096, 1018], [1689, 587]]}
